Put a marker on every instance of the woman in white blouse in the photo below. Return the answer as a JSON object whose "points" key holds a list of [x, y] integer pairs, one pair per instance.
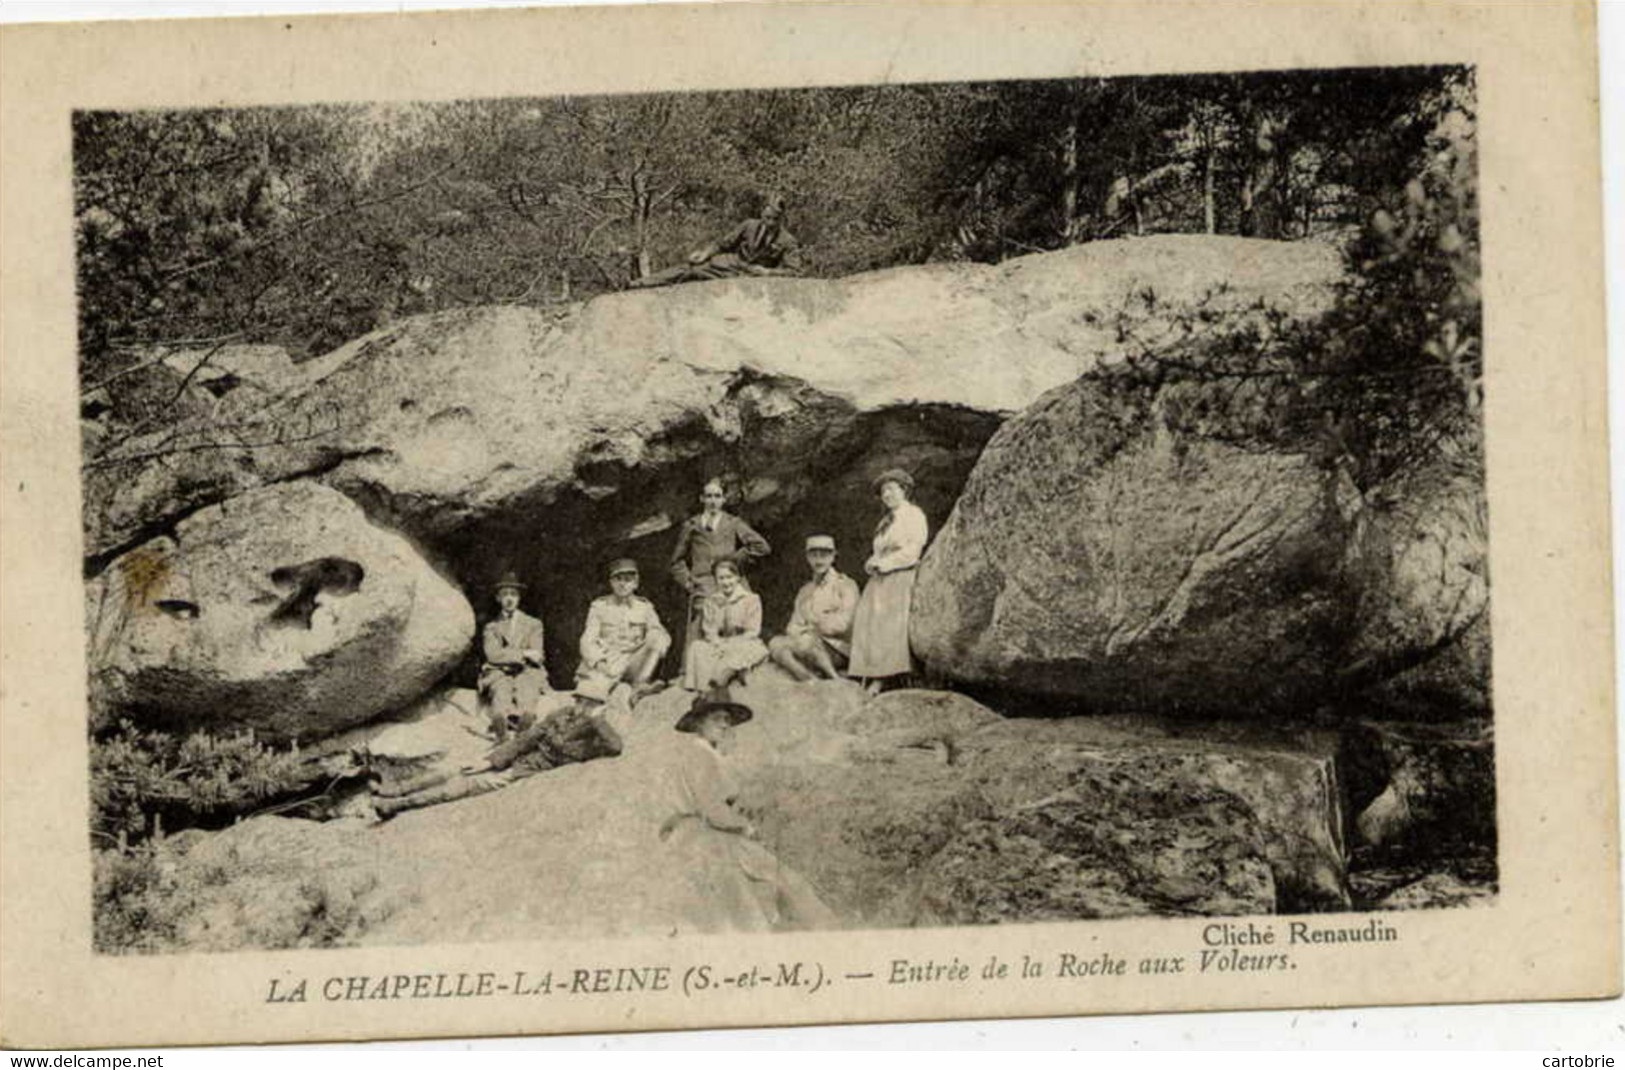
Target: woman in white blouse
{"points": [[880, 629]]}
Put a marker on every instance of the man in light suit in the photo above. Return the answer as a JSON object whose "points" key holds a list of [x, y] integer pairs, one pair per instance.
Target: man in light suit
{"points": [[513, 677], [702, 541]]}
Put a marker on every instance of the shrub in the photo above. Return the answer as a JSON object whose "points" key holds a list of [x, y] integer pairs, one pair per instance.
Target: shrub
{"points": [[1387, 382], [144, 782]]}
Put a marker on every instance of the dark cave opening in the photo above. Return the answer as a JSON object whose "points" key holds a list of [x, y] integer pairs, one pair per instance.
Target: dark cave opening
{"points": [[785, 485]]}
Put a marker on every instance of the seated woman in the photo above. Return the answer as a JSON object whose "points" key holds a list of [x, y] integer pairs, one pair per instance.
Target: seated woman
{"points": [[730, 639], [725, 881]]}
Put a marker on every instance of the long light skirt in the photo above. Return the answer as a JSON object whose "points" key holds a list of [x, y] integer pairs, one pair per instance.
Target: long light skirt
{"points": [[722, 882], [880, 627]]}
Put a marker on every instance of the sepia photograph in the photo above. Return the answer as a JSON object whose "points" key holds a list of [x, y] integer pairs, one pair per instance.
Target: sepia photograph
{"points": [[866, 507], [687, 516]]}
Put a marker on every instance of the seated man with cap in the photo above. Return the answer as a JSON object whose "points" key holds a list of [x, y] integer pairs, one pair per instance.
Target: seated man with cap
{"points": [[512, 679], [623, 640], [818, 639], [575, 733]]}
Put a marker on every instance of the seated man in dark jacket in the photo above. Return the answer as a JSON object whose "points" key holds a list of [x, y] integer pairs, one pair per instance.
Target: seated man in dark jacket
{"points": [[577, 733]]}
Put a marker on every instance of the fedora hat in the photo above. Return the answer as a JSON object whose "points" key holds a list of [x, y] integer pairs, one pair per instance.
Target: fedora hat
{"points": [[738, 713], [510, 578]]}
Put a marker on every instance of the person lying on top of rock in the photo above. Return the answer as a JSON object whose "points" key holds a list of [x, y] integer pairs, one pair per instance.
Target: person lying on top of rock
{"points": [[818, 639], [623, 640], [513, 678], [575, 733], [755, 247]]}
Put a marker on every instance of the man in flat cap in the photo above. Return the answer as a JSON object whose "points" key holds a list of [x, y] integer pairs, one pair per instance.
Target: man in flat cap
{"points": [[705, 539], [512, 678], [818, 639], [623, 640]]}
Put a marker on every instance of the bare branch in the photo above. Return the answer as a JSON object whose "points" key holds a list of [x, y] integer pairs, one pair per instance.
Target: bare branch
{"points": [[219, 341], [186, 380], [167, 448]]}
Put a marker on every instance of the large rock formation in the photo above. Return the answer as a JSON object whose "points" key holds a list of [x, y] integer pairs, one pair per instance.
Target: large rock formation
{"points": [[1156, 542], [552, 442], [1098, 553], [916, 808], [1039, 820], [284, 609], [1421, 562]]}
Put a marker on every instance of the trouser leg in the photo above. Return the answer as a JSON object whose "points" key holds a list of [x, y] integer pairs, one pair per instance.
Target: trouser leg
{"points": [[680, 273], [783, 652], [421, 782], [640, 667], [451, 788], [496, 710], [824, 661]]}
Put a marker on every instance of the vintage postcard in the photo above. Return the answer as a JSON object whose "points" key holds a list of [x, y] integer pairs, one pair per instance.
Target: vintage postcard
{"points": [[607, 519]]}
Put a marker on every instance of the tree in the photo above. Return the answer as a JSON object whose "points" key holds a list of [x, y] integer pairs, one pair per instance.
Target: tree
{"points": [[1389, 382]]}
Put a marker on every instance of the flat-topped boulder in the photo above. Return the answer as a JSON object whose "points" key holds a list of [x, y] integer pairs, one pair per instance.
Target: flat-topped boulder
{"points": [[902, 810], [1147, 538], [554, 440]]}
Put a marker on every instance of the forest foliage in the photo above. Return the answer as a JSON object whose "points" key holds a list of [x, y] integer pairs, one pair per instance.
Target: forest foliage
{"points": [[306, 227]]}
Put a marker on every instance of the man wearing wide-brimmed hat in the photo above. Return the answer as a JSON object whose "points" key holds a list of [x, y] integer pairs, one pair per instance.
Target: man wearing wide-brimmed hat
{"points": [[575, 733], [623, 640], [513, 677], [818, 639]]}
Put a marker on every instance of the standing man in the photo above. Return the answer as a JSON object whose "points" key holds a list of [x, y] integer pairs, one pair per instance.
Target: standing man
{"points": [[704, 539], [623, 640], [513, 677], [818, 639]]}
